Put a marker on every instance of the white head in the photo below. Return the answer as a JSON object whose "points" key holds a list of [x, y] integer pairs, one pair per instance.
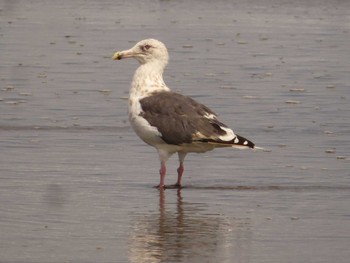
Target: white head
{"points": [[146, 51]]}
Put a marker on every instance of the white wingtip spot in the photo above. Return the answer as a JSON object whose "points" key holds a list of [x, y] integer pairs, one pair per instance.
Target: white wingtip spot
{"points": [[236, 140], [245, 143]]}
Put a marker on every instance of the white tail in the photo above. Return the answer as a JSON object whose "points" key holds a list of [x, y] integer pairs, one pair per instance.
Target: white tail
{"points": [[258, 148]]}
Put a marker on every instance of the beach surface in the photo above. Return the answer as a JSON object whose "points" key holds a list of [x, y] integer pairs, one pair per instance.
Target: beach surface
{"points": [[77, 183]]}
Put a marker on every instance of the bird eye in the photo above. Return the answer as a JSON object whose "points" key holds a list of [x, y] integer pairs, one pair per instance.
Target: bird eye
{"points": [[146, 47]]}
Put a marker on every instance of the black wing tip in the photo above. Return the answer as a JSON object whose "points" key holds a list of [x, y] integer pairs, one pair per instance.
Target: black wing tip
{"points": [[241, 141], [238, 141]]}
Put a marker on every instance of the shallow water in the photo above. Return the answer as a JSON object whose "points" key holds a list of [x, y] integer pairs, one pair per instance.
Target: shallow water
{"points": [[76, 182]]}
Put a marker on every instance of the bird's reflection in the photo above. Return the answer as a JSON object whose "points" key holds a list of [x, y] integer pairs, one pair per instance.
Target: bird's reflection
{"points": [[186, 232]]}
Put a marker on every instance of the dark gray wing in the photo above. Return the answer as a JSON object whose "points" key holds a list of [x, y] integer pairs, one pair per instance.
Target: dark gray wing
{"points": [[180, 119]]}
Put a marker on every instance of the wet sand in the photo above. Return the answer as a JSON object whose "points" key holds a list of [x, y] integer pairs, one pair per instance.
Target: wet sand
{"points": [[76, 182]]}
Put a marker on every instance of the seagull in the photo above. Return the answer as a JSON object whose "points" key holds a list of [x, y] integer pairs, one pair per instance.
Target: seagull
{"points": [[168, 121]]}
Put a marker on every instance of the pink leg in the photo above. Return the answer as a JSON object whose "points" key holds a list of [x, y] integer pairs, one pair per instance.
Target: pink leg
{"points": [[163, 157], [180, 171], [162, 172]]}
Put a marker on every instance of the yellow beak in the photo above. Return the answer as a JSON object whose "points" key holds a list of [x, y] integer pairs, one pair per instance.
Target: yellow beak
{"points": [[124, 54], [116, 56]]}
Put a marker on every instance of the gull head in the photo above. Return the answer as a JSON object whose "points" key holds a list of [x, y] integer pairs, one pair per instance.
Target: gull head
{"points": [[145, 51]]}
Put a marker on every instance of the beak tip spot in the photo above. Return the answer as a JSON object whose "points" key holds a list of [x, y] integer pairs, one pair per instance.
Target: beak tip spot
{"points": [[116, 56]]}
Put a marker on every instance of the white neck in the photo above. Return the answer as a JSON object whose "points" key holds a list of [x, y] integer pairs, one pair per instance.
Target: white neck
{"points": [[148, 78]]}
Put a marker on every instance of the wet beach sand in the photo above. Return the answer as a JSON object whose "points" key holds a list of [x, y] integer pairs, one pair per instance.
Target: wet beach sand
{"points": [[77, 183]]}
